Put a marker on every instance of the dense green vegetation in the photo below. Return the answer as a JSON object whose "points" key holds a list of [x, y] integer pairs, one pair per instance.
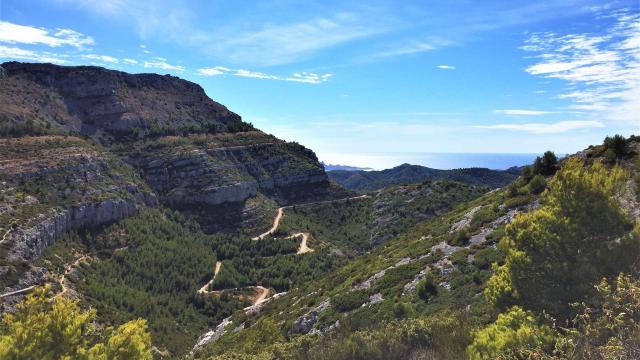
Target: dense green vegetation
{"points": [[556, 253], [412, 174], [58, 329], [549, 285], [429, 298], [124, 283], [534, 270], [360, 224], [556, 256], [28, 128]]}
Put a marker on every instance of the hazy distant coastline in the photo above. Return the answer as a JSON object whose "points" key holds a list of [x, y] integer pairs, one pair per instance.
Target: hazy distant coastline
{"points": [[443, 161]]}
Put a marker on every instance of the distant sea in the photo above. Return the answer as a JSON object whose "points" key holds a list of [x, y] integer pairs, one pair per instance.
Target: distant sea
{"points": [[444, 161]]}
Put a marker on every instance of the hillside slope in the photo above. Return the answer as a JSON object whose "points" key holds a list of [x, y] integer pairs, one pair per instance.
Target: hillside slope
{"points": [[84, 146], [429, 292], [411, 174]]}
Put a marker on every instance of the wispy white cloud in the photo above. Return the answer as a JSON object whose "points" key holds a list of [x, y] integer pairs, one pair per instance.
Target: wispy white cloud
{"points": [[20, 34], [213, 71], [602, 71], [161, 63], [284, 43], [546, 128], [302, 77], [103, 58], [9, 52], [130, 61], [522, 112], [446, 67], [246, 39], [413, 46]]}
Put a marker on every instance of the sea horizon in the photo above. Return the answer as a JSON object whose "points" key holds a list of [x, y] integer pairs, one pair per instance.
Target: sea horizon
{"points": [[443, 161]]}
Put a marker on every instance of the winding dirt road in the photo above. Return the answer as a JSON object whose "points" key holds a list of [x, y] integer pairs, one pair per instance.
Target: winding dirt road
{"points": [[62, 280], [203, 290], [262, 296], [303, 249], [274, 227]]}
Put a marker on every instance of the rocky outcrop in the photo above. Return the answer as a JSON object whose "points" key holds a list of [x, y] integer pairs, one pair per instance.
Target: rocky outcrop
{"points": [[98, 102], [305, 323], [29, 243], [211, 335], [227, 174]]}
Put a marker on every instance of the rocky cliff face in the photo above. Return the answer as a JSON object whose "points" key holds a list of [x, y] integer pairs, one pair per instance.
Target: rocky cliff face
{"points": [[53, 184], [105, 103], [29, 243], [85, 146], [213, 174]]}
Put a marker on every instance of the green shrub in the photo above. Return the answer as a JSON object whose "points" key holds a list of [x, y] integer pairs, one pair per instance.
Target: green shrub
{"points": [[42, 328], [617, 144], [483, 216], [427, 288], [487, 256], [556, 253], [513, 336], [546, 165], [537, 184], [517, 201], [459, 238], [349, 300]]}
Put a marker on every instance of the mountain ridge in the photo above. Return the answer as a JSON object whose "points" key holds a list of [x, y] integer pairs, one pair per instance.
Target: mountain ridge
{"points": [[407, 174]]}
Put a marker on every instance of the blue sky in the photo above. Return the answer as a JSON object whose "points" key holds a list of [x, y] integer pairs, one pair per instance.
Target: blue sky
{"points": [[357, 80]]}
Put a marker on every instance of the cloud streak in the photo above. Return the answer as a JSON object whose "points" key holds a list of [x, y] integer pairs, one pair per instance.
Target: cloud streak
{"points": [[161, 63], [20, 34], [10, 52], [102, 58], [522, 112], [602, 72], [301, 77], [546, 128]]}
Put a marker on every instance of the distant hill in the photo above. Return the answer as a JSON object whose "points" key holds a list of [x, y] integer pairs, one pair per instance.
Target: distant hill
{"points": [[411, 174], [332, 167]]}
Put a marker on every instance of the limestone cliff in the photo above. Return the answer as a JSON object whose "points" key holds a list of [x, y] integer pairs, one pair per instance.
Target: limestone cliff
{"points": [[107, 104], [85, 146]]}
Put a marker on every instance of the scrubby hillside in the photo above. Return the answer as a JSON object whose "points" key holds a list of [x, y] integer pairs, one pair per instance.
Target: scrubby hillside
{"points": [[494, 278], [85, 147], [361, 180], [140, 197], [231, 243]]}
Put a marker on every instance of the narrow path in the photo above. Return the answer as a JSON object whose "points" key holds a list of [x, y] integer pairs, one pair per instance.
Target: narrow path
{"points": [[303, 249], [262, 296], [4, 237], [280, 214], [274, 227], [203, 290], [17, 292], [62, 280]]}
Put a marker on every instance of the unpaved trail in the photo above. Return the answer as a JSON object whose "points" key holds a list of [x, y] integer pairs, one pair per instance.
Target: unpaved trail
{"points": [[262, 296], [280, 214], [276, 223], [305, 236], [18, 292], [4, 237], [304, 248], [203, 290], [62, 280]]}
